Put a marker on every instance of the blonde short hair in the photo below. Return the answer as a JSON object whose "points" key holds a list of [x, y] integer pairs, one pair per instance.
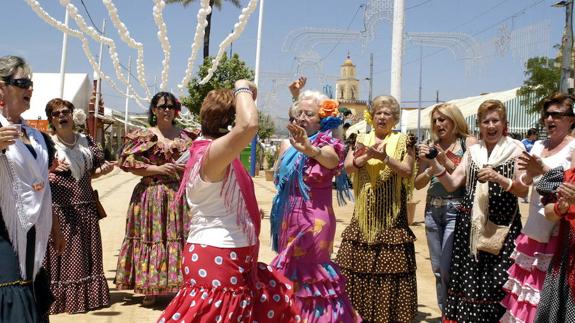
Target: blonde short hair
{"points": [[489, 106], [385, 101], [452, 112]]}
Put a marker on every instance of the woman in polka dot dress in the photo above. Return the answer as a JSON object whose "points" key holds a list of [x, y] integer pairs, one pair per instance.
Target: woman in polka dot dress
{"points": [[557, 302], [76, 276], [491, 177], [223, 282], [377, 254]]}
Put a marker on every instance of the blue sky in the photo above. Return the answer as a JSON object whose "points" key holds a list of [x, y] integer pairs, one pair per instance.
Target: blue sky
{"points": [[25, 34]]}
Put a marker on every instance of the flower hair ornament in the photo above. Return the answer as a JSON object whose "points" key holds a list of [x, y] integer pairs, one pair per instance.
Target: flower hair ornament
{"points": [[367, 117], [79, 117], [328, 114]]}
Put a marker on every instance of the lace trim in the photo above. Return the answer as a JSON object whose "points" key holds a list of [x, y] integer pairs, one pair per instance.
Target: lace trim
{"points": [[525, 293], [539, 261]]}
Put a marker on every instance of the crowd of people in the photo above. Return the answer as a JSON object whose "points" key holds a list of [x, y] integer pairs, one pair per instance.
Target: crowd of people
{"points": [[193, 221]]}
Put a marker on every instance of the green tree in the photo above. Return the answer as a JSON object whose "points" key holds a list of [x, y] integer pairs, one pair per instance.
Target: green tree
{"points": [[542, 79], [267, 127], [228, 72], [213, 3]]}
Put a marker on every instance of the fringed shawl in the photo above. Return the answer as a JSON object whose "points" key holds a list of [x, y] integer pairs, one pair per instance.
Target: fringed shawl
{"points": [[377, 186], [505, 149], [237, 182], [25, 196], [289, 181]]}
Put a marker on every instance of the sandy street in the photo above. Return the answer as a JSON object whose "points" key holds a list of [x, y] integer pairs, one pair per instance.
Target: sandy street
{"points": [[115, 191]]}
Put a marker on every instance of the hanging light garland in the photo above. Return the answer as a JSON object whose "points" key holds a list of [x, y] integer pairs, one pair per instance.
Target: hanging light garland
{"points": [[90, 31], [125, 36], [238, 29], [158, 8], [158, 13], [203, 13], [37, 8]]}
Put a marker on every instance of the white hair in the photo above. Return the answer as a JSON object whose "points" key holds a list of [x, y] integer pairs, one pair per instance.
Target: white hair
{"points": [[315, 96]]}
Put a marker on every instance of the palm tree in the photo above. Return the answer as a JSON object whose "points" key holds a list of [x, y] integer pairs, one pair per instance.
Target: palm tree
{"points": [[213, 3]]}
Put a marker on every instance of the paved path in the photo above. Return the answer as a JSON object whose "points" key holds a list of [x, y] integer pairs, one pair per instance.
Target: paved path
{"points": [[115, 191]]}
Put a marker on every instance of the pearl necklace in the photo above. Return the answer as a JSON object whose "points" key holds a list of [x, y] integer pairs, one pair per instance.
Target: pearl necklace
{"points": [[67, 143]]}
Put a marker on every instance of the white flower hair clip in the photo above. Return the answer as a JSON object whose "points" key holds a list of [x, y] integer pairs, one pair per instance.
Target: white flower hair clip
{"points": [[79, 117]]}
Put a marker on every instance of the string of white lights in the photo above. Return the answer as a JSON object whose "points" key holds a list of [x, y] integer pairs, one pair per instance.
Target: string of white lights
{"points": [[238, 29], [125, 36], [158, 10], [90, 31], [40, 12], [204, 11]]}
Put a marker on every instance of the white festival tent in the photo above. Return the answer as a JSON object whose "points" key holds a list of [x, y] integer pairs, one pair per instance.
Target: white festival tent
{"points": [[77, 89], [468, 107], [519, 119]]}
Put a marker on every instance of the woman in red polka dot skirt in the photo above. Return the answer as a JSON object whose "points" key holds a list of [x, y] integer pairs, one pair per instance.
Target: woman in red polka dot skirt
{"points": [[77, 275], [222, 280]]}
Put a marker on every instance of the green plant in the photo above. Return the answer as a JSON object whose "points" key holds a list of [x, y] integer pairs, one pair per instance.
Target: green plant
{"points": [[270, 158]]}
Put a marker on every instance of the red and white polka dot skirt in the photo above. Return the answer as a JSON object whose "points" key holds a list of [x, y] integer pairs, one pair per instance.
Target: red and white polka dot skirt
{"points": [[218, 287]]}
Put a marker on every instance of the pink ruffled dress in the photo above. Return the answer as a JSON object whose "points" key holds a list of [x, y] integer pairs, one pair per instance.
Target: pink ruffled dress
{"points": [[533, 250], [306, 244]]}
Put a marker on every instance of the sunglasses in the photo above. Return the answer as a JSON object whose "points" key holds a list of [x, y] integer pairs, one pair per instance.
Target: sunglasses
{"points": [[556, 114], [167, 107], [64, 113], [24, 83]]}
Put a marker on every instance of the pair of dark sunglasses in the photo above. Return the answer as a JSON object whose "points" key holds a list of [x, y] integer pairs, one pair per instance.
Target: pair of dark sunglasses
{"points": [[24, 83], [557, 114], [167, 107], [64, 113]]}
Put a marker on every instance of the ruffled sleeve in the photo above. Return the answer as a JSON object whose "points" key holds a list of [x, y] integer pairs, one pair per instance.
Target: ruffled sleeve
{"points": [[97, 152], [314, 171], [138, 147], [324, 139]]}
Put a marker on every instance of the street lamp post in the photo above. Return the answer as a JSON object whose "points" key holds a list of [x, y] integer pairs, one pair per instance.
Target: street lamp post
{"points": [[567, 47]]}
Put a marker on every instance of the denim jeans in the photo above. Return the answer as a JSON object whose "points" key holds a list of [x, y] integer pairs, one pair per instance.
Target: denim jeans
{"points": [[439, 227]]}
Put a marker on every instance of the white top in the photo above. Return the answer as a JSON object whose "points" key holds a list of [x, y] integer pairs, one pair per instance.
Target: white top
{"points": [[212, 222], [537, 226]]}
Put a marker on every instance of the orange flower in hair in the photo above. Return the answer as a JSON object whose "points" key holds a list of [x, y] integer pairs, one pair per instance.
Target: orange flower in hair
{"points": [[328, 108]]}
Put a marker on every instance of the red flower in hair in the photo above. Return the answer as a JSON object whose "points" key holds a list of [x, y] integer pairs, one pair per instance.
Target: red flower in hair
{"points": [[328, 108]]}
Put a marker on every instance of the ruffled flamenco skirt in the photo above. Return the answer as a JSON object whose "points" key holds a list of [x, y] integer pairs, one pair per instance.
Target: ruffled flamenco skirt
{"points": [[226, 285], [319, 290], [526, 277]]}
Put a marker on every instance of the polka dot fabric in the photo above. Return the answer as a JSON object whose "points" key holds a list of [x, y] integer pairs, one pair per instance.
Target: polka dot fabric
{"points": [[381, 276], [557, 298], [77, 278], [219, 287], [476, 285]]}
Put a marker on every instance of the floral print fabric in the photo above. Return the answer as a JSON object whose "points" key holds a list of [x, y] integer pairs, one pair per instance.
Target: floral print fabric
{"points": [[151, 253]]}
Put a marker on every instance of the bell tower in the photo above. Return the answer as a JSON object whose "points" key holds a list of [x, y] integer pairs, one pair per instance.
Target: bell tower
{"points": [[347, 86]]}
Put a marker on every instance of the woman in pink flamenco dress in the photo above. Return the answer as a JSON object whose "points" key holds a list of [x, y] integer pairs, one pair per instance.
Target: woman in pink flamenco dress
{"points": [[537, 242], [302, 218]]}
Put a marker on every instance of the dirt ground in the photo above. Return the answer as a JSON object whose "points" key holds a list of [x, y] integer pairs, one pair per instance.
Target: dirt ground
{"points": [[115, 190]]}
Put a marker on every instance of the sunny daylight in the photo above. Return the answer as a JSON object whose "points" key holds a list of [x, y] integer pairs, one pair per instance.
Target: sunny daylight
{"points": [[287, 161]]}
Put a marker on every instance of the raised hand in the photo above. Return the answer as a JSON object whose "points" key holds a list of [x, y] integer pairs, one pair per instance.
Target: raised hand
{"points": [[247, 84], [296, 86], [107, 167], [532, 165], [377, 151], [8, 136], [567, 191], [299, 139], [488, 174]]}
